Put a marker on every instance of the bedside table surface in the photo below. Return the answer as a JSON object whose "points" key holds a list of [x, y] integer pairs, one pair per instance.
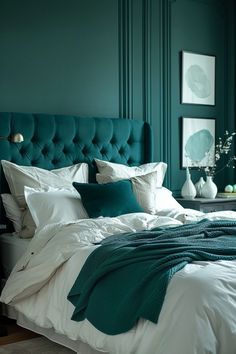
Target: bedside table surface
{"points": [[208, 205], [206, 200]]}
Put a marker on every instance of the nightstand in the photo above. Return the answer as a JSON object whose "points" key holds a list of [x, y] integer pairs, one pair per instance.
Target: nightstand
{"points": [[208, 205]]}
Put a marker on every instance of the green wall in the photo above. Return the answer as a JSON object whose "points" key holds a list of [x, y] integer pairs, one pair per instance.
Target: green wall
{"points": [[59, 56], [202, 29], [117, 58]]}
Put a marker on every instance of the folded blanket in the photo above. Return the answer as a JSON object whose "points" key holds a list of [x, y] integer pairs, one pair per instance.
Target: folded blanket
{"points": [[127, 276]]}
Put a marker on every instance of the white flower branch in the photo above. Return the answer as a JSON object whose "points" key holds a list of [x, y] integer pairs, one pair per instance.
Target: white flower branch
{"points": [[223, 147]]}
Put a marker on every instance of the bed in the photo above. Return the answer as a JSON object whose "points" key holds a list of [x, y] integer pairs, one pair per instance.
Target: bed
{"points": [[197, 315]]}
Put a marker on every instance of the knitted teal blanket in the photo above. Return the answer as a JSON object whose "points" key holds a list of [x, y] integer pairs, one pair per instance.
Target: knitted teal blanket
{"points": [[127, 276]]}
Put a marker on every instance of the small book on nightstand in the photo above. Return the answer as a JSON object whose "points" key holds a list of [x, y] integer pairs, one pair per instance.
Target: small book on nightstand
{"points": [[226, 195]]}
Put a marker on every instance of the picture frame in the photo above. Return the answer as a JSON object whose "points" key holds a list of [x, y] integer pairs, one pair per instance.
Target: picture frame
{"points": [[198, 79], [198, 142]]}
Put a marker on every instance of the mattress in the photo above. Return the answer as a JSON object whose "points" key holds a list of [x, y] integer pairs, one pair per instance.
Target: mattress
{"points": [[11, 249]]}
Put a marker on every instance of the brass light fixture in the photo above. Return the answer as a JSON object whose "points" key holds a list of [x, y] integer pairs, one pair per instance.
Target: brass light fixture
{"points": [[15, 138]]}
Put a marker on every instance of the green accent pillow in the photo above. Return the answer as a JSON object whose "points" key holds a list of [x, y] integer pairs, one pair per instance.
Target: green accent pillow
{"points": [[110, 199]]}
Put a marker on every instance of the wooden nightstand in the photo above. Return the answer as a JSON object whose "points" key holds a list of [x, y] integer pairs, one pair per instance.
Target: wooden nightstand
{"points": [[208, 205]]}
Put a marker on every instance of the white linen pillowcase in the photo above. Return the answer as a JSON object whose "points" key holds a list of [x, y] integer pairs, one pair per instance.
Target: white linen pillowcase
{"points": [[13, 212], [21, 218], [144, 190], [20, 176], [111, 172], [54, 205]]}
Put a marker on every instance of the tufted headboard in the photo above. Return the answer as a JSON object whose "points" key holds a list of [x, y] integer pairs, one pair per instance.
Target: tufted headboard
{"points": [[54, 141]]}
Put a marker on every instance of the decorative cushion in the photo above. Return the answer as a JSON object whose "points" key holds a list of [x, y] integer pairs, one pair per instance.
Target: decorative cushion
{"points": [[110, 171], [152, 199], [111, 199], [144, 188]]}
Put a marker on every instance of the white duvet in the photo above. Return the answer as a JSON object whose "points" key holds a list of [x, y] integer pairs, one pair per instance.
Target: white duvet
{"points": [[198, 315]]}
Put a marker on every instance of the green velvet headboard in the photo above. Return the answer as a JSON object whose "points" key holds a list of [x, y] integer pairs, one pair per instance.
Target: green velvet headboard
{"points": [[54, 141]]}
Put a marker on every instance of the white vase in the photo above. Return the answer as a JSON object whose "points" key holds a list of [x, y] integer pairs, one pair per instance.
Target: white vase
{"points": [[199, 186], [188, 190], [209, 190]]}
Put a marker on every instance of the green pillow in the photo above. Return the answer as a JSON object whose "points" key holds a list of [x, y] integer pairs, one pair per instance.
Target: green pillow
{"points": [[110, 199]]}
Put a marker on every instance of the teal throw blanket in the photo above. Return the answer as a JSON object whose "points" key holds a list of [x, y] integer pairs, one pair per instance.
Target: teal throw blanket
{"points": [[127, 276]]}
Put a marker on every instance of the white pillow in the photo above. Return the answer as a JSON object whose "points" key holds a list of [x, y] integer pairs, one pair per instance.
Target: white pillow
{"points": [[111, 172], [20, 217], [28, 224], [13, 212], [165, 200], [20, 176], [144, 188], [54, 205]]}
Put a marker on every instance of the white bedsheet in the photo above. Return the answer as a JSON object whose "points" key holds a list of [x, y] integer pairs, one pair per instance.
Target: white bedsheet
{"points": [[198, 314]]}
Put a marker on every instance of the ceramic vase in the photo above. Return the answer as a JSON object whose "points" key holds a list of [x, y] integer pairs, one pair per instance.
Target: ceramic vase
{"points": [[209, 190], [188, 190], [199, 186]]}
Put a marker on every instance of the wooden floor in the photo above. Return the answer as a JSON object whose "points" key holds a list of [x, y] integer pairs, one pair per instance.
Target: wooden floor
{"points": [[14, 333]]}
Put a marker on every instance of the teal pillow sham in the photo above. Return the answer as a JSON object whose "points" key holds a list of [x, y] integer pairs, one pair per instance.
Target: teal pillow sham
{"points": [[110, 199]]}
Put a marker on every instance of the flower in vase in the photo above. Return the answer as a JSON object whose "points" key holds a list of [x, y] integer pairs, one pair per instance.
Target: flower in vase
{"points": [[222, 149]]}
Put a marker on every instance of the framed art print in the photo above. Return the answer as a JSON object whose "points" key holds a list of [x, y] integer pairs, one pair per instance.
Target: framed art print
{"points": [[198, 79], [198, 142]]}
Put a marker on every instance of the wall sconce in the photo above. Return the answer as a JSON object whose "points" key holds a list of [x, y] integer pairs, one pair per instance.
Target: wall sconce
{"points": [[15, 138]]}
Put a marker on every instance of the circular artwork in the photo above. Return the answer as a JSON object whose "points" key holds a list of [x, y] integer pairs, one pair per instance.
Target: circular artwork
{"points": [[198, 81], [198, 145]]}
